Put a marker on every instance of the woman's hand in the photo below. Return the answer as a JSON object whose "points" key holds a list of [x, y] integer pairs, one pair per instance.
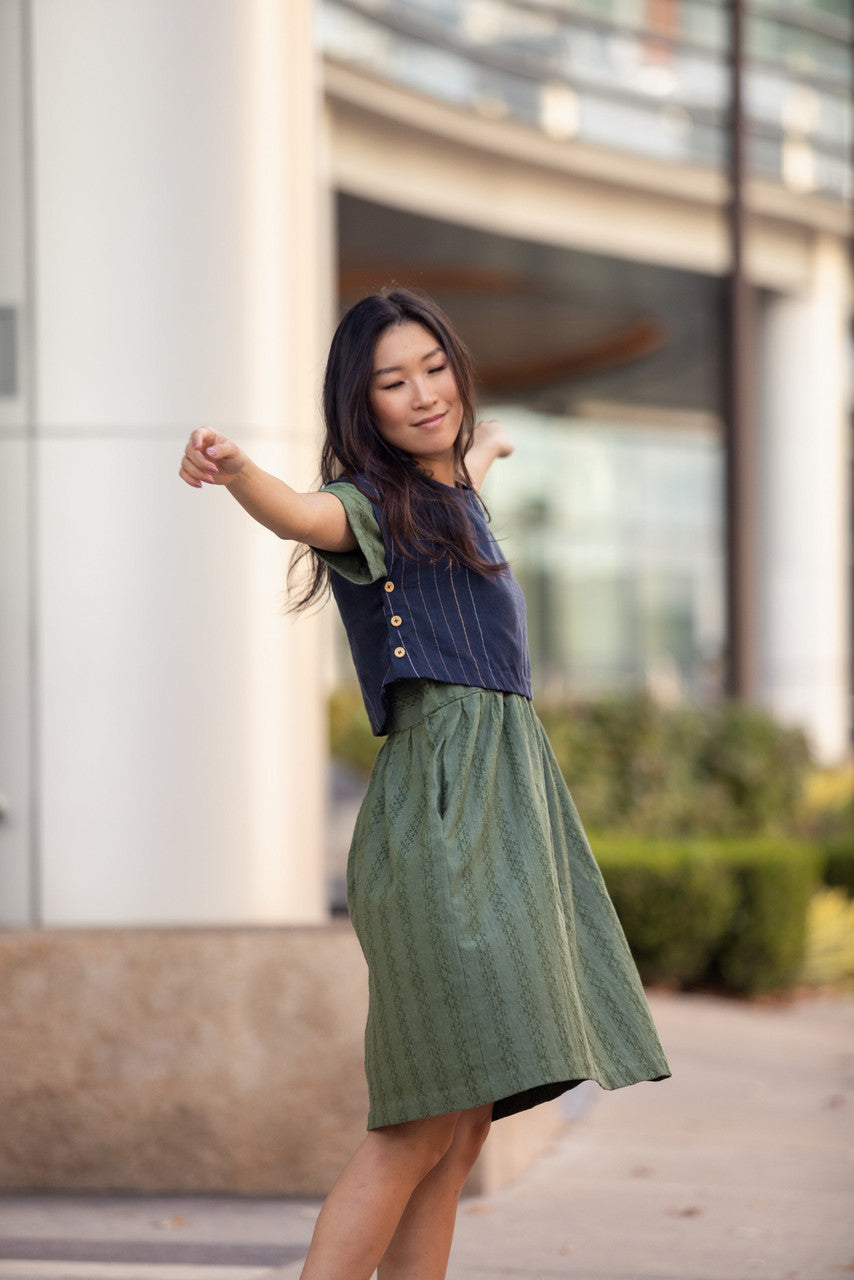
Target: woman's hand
{"points": [[489, 441], [492, 435], [210, 458]]}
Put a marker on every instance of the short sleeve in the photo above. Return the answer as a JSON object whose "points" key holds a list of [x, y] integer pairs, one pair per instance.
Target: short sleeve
{"points": [[367, 562]]}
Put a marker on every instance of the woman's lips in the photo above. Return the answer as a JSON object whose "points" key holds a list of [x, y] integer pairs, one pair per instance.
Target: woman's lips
{"points": [[430, 422]]}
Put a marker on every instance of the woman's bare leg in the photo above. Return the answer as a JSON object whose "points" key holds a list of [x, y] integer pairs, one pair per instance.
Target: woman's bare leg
{"points": [[421, 1245], [365, 1205]]}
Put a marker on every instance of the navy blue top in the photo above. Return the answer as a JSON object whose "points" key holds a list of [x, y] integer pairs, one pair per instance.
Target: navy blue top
{"points": [[407, 619]]}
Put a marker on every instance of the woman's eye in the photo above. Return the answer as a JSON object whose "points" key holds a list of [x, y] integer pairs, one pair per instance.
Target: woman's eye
{"points": [[438, 369], [391, 386]]}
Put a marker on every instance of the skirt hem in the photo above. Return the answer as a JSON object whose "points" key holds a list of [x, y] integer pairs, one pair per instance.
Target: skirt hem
{"points": [[521, 1099]]}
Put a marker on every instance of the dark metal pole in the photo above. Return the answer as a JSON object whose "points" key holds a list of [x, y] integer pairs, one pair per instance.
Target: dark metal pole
{"points": [[740, 425]]}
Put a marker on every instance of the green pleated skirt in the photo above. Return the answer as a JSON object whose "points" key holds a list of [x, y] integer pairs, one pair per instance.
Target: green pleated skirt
{"points": [[498, 970]]}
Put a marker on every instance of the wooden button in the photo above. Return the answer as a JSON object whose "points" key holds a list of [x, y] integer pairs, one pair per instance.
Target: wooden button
{"points": [[389, 586], [400, 652], [396, 621]]}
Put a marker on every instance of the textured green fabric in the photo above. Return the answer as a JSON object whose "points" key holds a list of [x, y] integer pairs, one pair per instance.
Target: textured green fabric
{"points": [[498, 969], [367, 563]]}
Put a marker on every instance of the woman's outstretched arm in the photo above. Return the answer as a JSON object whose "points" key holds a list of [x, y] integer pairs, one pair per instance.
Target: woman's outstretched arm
{"points": [[489, 441], [318, 519]]}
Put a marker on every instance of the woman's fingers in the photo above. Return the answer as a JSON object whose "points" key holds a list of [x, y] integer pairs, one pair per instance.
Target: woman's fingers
{"points": [[210, 458], [225, 454], [204, 437], [195, 467], [191, 473], [199, 443], [197, 459]]}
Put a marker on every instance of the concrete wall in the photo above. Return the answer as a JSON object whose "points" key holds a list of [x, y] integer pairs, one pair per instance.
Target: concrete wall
{"points": [[181, 1060], [196, 1061]]}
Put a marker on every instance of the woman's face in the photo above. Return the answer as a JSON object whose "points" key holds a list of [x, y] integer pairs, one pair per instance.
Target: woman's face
{"points": [[414, 397]]}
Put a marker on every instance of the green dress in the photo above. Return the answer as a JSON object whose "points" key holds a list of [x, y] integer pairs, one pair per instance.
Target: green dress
{"points": [[498, 970]]}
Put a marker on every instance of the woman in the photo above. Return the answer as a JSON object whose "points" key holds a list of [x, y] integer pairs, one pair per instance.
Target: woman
{"points": [[499, 975]]}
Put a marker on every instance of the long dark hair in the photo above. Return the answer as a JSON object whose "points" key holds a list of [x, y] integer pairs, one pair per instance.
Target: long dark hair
{"points": [[421, 516]]}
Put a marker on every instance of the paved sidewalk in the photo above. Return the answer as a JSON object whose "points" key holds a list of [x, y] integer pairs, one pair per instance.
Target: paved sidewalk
{"points": [[739, 1168]]}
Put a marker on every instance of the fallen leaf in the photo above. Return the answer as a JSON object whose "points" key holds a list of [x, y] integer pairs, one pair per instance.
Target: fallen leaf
{"points": [[175, 1222]]}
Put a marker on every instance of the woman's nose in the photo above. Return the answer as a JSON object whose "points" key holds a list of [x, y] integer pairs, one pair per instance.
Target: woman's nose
{"points": [[421, 393]]}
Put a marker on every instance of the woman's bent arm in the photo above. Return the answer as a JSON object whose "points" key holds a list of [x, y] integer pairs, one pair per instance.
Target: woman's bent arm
{"points": [[489, 441], [318, 519]]}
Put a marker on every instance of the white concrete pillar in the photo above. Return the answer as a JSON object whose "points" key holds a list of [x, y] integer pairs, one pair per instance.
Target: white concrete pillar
{"points": [[15, 510], [175, 281], [804, 505]]}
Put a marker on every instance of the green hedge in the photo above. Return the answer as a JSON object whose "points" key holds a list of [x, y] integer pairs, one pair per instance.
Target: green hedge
{"points": [[763, 948], [350, 737], [839, 863], [636, 767], [726, 914]]}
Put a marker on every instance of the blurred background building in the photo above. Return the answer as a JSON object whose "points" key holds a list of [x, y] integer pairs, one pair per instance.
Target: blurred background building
{"points": [[636, 211], [560, 174]]}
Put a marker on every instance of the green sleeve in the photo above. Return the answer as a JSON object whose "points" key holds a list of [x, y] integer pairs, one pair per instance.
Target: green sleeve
{"points": [[367, 562]]}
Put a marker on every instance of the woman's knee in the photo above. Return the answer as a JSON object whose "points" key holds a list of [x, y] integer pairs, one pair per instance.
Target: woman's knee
{"points": [[420, 1143], [471, 1132]]}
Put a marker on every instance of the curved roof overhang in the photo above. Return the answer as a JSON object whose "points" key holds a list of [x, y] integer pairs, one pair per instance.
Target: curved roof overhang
{"points": [[407, 151]]}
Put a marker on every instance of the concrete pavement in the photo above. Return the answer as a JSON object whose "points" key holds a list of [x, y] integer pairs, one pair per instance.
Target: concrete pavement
{"points": [[739, 1168]]}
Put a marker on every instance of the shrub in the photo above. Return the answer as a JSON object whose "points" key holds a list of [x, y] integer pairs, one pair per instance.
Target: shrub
{"points": [[674, 903], [636, 767], [350, 736], [763, 949], [839, 863], [727, 914]]}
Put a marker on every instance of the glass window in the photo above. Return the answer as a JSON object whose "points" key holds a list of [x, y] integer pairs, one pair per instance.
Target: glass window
{"points": [[615, 532]]}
